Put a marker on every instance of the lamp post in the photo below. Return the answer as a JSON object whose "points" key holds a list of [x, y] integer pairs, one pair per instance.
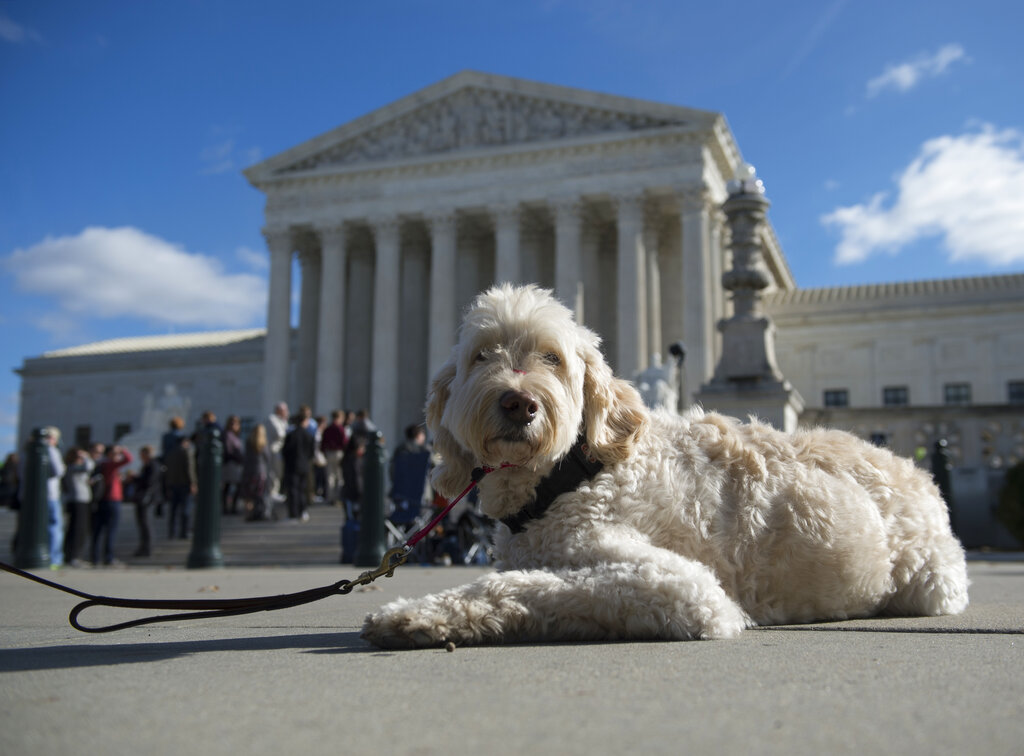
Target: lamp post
{"points": [[747, 379]]}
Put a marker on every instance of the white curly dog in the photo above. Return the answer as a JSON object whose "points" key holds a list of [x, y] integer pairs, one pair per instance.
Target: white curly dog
{"points": [[668, 527]]}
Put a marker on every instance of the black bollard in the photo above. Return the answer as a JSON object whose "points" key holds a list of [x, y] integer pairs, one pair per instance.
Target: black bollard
{"points": [[206, 536], [33, 549], [372, 533]]}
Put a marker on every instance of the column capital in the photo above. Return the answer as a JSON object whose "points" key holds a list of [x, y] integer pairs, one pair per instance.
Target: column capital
{"points": [[279, 239], [630, 201], [694, 198], [384, 224], [568, 205], [505, 212], [306, 255], [441, 219], [332, 235]]}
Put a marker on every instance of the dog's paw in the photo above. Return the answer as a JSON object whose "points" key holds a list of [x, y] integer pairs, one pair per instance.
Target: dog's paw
{"points": [[722, 619], [408, 624]]}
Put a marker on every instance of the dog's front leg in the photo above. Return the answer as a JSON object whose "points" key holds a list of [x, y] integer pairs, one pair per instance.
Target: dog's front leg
{"points": [[617, 601]]}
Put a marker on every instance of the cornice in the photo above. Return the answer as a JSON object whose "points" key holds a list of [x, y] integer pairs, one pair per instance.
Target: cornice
{"points": [[962, 297]]}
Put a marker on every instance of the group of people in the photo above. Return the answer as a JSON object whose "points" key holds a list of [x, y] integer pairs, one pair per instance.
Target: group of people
{"points": [[289, 459], [84, 493], [298, 458]]}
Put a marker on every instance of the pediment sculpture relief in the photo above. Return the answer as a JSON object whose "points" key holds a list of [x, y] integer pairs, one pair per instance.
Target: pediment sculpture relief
{"points": [[473, 118]]}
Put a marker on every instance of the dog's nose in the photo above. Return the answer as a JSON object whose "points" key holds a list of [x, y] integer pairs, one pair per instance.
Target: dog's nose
{"points": [[519, 407]]}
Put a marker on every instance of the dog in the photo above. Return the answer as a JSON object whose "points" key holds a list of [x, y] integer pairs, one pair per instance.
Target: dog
{"points": [[657, 526]]}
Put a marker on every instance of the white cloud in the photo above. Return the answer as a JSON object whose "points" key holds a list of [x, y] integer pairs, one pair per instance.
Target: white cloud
{"points": [[12, 31], [124, 272], [903, 77], [222, 154], [968, 190], [217, 158], [253, 259]]}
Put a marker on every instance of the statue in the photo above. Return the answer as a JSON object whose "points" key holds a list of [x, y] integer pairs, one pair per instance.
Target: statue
{"points": [[657, 385]]}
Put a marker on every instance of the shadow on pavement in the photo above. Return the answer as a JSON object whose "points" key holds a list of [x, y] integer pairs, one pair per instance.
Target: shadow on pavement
{"points": [[89, 655]]}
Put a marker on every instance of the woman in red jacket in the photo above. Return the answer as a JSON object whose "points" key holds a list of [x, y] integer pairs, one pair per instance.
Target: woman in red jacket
{"points": [[107, 510]]}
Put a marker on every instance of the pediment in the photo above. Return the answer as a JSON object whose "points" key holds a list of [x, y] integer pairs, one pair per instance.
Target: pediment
{"points": [[473, 111]]}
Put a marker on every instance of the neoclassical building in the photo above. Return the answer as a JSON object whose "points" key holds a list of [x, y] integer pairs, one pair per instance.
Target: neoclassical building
{"points": [[398, 218]]}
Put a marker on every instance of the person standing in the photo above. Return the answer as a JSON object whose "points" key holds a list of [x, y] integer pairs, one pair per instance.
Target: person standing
{"points": [[297, 454], [277, 429], [147, 493], [332, 444], [107, 514], [79, 504], [180, 479], [54, 504], [234, 459], [256, 472]]}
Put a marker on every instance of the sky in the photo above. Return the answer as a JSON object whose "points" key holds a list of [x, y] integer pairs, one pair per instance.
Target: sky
{"points": [[889, 133]]}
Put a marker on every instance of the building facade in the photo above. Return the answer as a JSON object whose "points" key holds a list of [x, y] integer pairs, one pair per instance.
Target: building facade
{"points": [[400, 217]]}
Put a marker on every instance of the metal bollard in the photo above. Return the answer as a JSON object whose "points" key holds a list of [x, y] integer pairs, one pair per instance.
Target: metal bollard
{"points": [[206, 536], [33, 549], [372, 533]]}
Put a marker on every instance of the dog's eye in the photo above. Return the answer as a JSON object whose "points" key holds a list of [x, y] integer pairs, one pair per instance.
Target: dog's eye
{"points": [[552, 359], [480, 357]]}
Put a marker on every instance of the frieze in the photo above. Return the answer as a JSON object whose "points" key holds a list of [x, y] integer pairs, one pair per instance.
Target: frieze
{"points": [[478, 118]]}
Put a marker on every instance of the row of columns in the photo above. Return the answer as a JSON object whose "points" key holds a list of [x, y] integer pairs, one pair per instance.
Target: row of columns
{"points": [[637, 286]]}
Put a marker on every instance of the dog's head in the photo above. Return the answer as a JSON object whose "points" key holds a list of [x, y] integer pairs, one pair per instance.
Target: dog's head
{"points": [[523, 381]]}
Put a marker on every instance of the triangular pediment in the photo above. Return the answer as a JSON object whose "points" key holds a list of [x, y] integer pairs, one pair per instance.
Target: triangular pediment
{"points": [[473, 111]]}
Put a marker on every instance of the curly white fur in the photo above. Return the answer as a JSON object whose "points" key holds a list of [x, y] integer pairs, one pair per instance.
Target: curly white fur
{"points": [[697, 527]]}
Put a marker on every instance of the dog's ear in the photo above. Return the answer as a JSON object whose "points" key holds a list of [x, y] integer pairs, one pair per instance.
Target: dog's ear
{"points": [[613, 411], [452, 475]]}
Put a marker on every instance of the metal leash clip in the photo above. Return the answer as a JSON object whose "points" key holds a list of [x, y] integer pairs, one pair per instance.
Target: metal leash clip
{"points": [[393, 559]]}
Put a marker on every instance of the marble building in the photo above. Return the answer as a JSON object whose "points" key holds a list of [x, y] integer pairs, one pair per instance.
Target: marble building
{"points": [[400, 217]]}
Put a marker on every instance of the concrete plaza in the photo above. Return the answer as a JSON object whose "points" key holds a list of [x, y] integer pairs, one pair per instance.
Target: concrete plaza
{"points": [[302, 681]]}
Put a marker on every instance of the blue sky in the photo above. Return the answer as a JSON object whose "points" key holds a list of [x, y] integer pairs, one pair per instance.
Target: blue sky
{"points": [[889, 134]]}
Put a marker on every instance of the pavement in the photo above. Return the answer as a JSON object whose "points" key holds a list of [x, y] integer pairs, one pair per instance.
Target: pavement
{"points": [[302, 681]]}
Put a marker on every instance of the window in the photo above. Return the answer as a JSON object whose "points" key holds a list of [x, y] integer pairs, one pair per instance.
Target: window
{"points": [[121, 429], [1015, 392], [837, 398], [83, 436], [895, 396], [957, 394]]}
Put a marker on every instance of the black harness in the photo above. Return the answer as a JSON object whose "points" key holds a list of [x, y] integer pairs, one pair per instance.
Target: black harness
{"points": [[573, 469]]}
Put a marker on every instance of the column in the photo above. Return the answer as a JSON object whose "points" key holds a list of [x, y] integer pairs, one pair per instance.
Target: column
{"points": [[277, 346], [309, 326], [698, 319], [330, 348], [386, 292], [568, 216], [442, 290], [506, 242], [653, 288], [632, 321]]}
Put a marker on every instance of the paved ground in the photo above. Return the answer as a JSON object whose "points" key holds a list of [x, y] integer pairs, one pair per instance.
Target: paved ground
{"points": [[302, 681]]}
